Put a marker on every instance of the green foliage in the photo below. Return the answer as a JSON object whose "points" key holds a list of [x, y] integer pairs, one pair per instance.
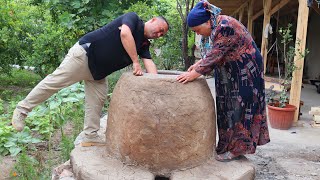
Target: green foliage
{"points": [[26, 167], [49, 48], [39, 32], [289, 52], [113, 79], [28, 37], [12, 143], [16, 84], [66, 147], [44, 119], [54, 113], [19, 140], [170, 44], [87, 15], [21, 78], [67, 104], [5, 134], [171, 48], [16, 20], [144, 11], [1, 106]]}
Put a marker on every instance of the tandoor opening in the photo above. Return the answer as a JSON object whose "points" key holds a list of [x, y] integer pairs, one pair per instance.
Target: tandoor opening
{"points": [[167, 72], [161, 178]]}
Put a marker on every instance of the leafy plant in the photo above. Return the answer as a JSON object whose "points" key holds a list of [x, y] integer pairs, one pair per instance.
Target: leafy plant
{"points": [[66, 147], [1, 106], [280, 99], [26, 167], [5, 133], [20, 140], [60, 107]]}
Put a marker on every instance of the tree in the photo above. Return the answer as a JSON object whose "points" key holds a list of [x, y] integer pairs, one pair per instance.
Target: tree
{"points": [[17, 23], [170, 44], [39, 32], [184, 7]]}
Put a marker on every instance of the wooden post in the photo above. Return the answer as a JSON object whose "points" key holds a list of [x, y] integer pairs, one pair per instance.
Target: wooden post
{"points": [[302, 26], [241, 12], [264, 43], [250, 14]]}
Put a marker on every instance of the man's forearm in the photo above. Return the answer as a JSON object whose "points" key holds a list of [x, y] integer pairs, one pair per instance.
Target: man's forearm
{"points": [[129, 43], [150, 66]]}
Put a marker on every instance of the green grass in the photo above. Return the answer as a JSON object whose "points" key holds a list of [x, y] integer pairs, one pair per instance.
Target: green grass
{"points": [[19, 83], [19, 77]]}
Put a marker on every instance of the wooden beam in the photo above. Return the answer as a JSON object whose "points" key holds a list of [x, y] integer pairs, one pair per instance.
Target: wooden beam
{"points": [[316, 8], [250, 13], [273, 10], [241, 14], [302, 27], [258, 14], [279, 6], [245, 4], [264, 43]]}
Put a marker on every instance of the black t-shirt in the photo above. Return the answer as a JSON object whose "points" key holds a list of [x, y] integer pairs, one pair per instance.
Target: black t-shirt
{"points": [[106, 52]]}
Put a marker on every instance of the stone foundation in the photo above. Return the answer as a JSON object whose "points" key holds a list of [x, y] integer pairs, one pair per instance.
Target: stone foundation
{"points": [[92, 163]]}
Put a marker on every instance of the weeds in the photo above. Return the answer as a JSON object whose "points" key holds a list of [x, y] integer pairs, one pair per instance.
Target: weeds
{"points": [[65, 106], [26, 167], [66, 147]]}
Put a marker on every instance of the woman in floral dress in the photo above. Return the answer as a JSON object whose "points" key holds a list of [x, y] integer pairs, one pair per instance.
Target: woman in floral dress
{"points": [[228, 49]]}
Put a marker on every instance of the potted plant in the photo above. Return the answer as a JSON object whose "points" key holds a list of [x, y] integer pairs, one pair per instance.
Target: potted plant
{"points": [[280, 112]]}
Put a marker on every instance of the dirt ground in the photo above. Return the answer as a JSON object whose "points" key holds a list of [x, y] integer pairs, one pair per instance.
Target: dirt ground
{"points": [[294, 153], [291, 154]]}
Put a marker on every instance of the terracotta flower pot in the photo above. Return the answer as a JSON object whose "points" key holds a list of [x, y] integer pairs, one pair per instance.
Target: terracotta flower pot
{"points": [[281, 118]]}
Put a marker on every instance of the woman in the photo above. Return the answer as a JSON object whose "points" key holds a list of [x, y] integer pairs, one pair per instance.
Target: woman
{"points": [[228, 48]]}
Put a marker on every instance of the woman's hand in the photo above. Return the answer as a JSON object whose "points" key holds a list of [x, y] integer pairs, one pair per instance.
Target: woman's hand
{"points": [[188, 76], [191, 68]]}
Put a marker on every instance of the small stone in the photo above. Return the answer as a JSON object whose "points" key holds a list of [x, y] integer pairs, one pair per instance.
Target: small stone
{"points": [[66, 173], [314, 174], [279, 177]]}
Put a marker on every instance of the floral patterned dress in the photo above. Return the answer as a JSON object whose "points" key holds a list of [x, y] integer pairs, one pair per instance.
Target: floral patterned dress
{"points": [[240, 90]]}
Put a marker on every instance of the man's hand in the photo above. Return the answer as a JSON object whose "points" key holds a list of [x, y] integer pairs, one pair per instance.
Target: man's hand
{"points": [[137, 70], [188, 76]]}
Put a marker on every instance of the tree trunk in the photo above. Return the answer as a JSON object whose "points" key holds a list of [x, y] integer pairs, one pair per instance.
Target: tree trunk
{"points": [[185, 45], [183, 15]]}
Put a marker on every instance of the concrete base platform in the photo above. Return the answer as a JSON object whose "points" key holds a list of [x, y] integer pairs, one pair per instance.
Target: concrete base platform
{"points": [[241, 169], [92, 163]]}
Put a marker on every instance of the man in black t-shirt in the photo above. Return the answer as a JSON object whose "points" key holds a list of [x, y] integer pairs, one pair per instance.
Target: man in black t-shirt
{"points": [[96, 55]]}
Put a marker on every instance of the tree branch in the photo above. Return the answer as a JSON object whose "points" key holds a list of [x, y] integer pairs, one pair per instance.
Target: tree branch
{"points": [[179, 8], [192, 4]]}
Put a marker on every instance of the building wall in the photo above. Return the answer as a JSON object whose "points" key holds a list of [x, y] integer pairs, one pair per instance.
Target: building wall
{"points": [[312, 61]]}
